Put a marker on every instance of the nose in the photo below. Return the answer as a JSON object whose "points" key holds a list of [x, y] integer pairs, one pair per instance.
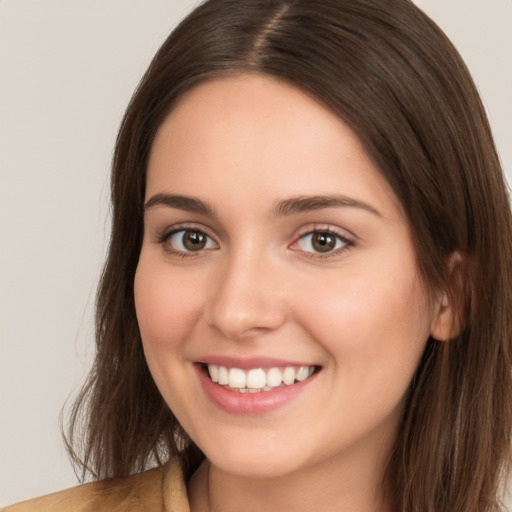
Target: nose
{"points": [[246, 300]]}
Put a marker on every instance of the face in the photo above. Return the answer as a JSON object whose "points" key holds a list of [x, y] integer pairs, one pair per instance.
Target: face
{"points": [[277, 292]]}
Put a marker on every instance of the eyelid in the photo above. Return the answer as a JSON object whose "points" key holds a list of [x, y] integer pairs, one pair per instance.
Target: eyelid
{"points": [[347, 238], [168, 230], [163, 236]]}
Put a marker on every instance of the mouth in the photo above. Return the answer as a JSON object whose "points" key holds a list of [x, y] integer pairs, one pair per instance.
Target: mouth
{"points": [[258, 380], [254, 386]]}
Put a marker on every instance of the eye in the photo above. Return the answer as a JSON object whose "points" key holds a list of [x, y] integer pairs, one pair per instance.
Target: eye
{"points": [[322, 242], [189, 240]]}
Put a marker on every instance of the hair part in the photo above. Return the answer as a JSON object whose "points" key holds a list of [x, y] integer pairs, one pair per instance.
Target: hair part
{"points": [[392, 75]]}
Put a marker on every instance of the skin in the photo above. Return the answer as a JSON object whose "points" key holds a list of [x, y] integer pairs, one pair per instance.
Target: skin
{"points": [[360, 313]]}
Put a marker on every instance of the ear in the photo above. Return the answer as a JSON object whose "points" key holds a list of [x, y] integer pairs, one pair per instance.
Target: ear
{"points": [[448, 314]]}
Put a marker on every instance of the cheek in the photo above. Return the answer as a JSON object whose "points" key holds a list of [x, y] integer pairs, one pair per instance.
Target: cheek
{"points": [[167, 306], [373, 326]]}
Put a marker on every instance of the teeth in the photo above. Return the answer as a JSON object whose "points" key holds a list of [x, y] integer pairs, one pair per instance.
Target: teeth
{"points": [[274, 377], [303, 373], [214, 373], [257, 379], [289, 375], [223, 376], [237, 378]]}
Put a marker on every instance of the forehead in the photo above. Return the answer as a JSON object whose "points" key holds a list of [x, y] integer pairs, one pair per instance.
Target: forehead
{"points": [[255, 132]]}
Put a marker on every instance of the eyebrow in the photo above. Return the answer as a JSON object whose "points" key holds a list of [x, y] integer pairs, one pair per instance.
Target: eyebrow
{"points": [[303, 204], [291, 206], [186, 203]]}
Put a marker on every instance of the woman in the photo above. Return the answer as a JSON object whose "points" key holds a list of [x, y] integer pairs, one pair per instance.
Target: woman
{"points": [[306, 297]]}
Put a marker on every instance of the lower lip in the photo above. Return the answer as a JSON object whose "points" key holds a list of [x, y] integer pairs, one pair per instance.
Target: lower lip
{"points": [[250, 404]]}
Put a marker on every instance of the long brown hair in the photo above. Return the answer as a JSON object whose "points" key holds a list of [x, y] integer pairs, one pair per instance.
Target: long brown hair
{"points": [[388, 71]]}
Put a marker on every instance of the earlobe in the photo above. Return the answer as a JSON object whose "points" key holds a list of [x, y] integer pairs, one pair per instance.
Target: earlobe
{"points": [[448, 317], [444, 322]]}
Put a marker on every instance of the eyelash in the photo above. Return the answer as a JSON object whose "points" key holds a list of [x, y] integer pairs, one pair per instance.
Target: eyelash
{"points": [[164, 237], [324, 230]]}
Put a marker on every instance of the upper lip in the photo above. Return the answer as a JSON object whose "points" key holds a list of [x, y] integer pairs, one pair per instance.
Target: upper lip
{"points": [[246, 363]]}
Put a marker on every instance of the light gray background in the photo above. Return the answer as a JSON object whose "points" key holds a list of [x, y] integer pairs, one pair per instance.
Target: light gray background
{"points": [[67, 71]]}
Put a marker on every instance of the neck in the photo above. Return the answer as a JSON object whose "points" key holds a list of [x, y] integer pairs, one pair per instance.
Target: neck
{"points": [[352, 484]]}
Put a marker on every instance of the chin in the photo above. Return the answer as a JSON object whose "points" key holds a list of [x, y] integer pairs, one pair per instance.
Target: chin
{"points": [[254, 460], [256, 469]]}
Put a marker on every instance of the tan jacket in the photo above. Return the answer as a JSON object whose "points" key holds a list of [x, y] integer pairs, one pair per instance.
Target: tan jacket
{"points": [[157, 490]]}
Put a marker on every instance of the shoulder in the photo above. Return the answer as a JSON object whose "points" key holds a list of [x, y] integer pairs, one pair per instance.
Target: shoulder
{"points": [[137, 493]]}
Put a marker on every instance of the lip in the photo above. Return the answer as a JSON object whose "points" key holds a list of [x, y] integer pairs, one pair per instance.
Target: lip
{"points": [[249, 404], [250, 362]]}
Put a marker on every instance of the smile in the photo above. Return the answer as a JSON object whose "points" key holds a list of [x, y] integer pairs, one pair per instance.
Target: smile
{"points": [[256, 380], [254, 386]]}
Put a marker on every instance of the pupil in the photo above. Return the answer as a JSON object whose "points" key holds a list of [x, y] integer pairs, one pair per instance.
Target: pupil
{"points": [[323, 242], [194, 240]]}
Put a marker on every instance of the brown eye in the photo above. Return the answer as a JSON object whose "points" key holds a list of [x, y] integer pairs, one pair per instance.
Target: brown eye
{"points": [[190, 240], [323, 242], [194, 240]]}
